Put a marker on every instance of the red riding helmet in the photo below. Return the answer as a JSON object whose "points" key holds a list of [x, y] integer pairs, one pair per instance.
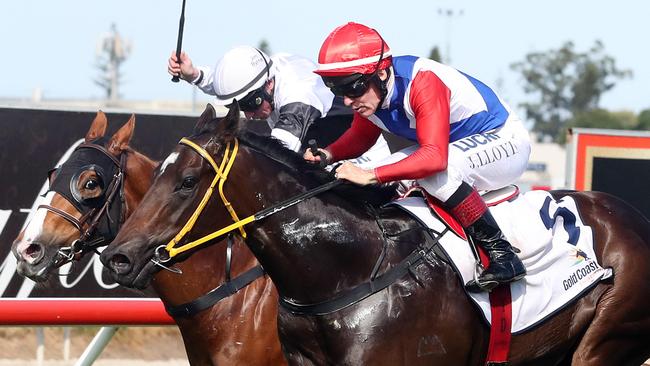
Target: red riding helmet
{"points": [[353, 48]]}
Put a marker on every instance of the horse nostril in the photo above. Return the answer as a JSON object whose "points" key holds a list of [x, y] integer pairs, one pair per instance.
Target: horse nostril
{"points": [[33, 253], [120, 264]]}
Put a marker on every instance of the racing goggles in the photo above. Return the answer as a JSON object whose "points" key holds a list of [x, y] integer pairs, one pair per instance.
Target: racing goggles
{"points": [[253, 100], [352, 86]]}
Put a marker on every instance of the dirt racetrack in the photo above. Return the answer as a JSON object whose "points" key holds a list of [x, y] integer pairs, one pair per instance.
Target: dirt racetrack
{"points": [[134, 346]]}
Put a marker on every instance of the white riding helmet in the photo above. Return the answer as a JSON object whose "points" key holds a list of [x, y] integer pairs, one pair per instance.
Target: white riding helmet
{"points": [[240, 71]]}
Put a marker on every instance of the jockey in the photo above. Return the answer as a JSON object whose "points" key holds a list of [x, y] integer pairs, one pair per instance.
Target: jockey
{"points": [[466, 137], [281, 89]]}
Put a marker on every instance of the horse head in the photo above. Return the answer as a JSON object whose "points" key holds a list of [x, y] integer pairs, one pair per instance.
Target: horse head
{"points": [[179, 183], [89, 195]]}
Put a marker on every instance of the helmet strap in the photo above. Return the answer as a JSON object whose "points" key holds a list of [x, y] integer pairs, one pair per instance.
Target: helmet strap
{"points": [[383, 86], [269, 96]]}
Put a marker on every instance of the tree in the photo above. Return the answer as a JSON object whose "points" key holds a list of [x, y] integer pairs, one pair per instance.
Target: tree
{"points": [[112, 51], [643, 120], [602, 118], [435, 54], [264, 47], [564, 84]]}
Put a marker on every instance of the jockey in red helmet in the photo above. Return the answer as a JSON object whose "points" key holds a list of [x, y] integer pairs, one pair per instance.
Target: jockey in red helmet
{"points": [[465, 137]]}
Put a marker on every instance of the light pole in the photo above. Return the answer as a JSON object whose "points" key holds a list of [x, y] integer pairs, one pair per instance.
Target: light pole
{"points": [[449, 14]]}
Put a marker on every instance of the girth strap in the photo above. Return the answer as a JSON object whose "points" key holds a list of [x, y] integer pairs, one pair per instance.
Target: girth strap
{"points": [[360, 292]]}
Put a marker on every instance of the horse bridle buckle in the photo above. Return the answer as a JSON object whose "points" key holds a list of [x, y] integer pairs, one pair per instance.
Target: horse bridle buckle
{"points": [[68, 254], [161, 254]]}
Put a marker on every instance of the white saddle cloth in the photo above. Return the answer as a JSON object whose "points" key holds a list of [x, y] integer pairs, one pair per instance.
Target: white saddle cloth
{"points": [[556, 248]]}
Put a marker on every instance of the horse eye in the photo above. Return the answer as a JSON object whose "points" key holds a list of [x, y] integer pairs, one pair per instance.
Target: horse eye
{"points": [[91, 184], [188, 183]]}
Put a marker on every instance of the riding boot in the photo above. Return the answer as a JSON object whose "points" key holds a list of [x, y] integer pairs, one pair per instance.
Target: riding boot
{"points": [[470, 210]]}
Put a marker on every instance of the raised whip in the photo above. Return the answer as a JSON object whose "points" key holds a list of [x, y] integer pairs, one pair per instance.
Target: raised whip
{"points": [[179, 43]]}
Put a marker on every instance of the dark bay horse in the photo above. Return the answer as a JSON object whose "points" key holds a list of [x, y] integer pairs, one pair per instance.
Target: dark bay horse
{"points": [[240, 329], [320, 251]]}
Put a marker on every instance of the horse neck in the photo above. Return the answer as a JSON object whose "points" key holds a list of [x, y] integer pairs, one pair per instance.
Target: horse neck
{"points": [[208, 333], [323, 243], [138, 178]]}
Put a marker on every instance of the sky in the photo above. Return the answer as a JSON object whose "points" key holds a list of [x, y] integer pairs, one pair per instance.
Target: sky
{"points": [[51, 45]]}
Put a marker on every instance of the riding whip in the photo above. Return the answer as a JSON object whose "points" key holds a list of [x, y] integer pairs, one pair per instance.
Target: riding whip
{"points": [[179, 43]]}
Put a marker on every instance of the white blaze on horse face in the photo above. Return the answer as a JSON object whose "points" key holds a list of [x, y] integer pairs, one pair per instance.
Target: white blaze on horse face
{"points": [[34, 228], [171, 159]]}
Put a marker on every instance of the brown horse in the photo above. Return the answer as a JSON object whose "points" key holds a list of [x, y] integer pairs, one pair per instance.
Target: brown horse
{"points": [[322, 253], [240, 329]]}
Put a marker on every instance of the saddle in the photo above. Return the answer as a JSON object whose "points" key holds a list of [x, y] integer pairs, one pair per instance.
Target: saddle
{"points": [[491, 198], [556, 248]]}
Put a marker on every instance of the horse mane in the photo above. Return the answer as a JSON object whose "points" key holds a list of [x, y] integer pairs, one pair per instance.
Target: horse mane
{"points": [[146, 158], [375, 195]]}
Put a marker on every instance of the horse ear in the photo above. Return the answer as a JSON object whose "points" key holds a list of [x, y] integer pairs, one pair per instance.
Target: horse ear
{"points": [[230, 124], [120, 140], [226, 127], [208, 115], [97, 128]]}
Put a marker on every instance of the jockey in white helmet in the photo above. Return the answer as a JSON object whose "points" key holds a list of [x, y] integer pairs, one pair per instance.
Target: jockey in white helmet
{"points": [[466, 137], [281, 89]]}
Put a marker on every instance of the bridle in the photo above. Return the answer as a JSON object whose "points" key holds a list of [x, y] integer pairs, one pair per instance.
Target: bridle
{"points": [[231, 285], [165, 253], [89, 221]]}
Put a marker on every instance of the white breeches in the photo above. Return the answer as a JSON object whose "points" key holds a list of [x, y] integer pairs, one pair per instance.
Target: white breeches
{"points": [[487, 161]]}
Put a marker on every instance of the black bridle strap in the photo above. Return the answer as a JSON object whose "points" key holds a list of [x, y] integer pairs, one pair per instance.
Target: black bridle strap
{"points": [[228, 288], [102, 149], [362, 291], [208, 300], [113, 189], [228, 257]]}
